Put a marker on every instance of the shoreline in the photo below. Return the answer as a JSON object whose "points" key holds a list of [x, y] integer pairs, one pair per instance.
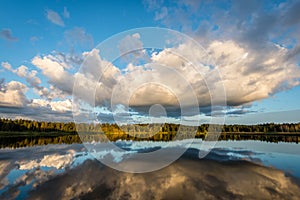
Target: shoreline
{"points": [[27, 139]]}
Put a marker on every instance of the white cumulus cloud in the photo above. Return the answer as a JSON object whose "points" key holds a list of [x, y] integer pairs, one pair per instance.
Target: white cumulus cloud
{"points": [[13, 95]]}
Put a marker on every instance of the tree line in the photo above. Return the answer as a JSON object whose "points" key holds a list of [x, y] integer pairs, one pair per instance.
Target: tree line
{"points": [[22, 125], [20, 133]]}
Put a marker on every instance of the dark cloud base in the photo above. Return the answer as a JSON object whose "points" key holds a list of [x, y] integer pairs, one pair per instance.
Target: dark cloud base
{"points": [[187, 178]]}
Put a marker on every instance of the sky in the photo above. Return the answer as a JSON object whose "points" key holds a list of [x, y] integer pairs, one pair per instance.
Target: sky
{"points": [[226, 61]]}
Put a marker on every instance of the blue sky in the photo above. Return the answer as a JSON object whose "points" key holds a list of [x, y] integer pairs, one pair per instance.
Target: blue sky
{"points": [[255, 44], [29, 22]]}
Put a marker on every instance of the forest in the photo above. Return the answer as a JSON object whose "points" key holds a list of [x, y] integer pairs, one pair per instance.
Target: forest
{"points": [[21, 132], [22, 125]]}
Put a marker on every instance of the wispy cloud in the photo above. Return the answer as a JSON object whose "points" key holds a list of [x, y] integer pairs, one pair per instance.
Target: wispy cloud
{"points": [[6, 34], [34, 38], [78, 37], [54, 17], [256, 24], [66, 13]]}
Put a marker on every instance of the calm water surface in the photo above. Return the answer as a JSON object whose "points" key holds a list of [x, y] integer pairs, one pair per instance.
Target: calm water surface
{"points": [[233, 169]]}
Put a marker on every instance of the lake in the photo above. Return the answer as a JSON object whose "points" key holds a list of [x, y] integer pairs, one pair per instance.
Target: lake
{"points": [[230, 170]]}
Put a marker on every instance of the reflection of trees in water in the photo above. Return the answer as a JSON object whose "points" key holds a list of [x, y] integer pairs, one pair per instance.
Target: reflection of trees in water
{"points": [[27, 141], [276, 137]]}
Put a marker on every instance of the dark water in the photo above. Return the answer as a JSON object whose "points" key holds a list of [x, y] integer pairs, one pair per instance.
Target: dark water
{"points": [[232, 170]]}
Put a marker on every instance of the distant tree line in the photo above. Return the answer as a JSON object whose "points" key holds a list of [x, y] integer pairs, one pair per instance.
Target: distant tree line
{"points": [[21, 133], [26, 141], [22, 125]]}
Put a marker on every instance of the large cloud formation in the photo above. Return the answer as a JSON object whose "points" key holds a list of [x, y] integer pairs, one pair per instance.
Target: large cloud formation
{"points": [[255, 51], [246, 75]]}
